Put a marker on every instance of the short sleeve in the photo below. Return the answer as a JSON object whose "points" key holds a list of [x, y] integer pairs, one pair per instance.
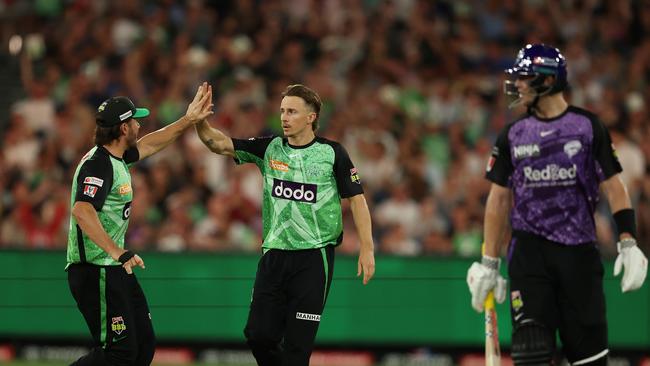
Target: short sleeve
{"points": [[603, 149], [499, 167], [346, 175], [94, 182], [251, 150]]}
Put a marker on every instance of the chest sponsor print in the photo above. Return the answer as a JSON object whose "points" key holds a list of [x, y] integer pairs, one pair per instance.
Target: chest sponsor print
{"points": [[526, 151], [125, 189], [278, 165], [301, 192], [551, 175]]}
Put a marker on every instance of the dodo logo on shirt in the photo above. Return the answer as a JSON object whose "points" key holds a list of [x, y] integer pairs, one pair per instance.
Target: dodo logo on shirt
{"points": [[302, 192]]}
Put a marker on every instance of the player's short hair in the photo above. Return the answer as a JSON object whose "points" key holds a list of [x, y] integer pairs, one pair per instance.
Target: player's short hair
{"points": [[311, 98], [106, 135]]}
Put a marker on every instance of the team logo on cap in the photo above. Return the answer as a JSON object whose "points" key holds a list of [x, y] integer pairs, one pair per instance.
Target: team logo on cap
{"points": [[102, 107]]}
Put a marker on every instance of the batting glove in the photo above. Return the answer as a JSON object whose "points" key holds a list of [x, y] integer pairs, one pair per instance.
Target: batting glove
{"points": [[635, 263], [484, 277]]}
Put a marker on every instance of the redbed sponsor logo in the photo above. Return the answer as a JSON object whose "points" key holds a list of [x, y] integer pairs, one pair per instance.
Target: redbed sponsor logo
{"points": [[302, 192]]}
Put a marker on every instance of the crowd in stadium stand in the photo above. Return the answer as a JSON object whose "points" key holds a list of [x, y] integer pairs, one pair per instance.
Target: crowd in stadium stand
{"points": [[412, 88]]}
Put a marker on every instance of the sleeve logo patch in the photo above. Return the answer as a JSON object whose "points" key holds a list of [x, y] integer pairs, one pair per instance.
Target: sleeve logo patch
{"points": [[354, 176], [90, 191], [125, 189], [94, 180], [278, 165], [490, 163]]}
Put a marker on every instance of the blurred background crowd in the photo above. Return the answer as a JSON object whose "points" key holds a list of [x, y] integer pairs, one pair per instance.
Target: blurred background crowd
{"points": [[412, 88]]}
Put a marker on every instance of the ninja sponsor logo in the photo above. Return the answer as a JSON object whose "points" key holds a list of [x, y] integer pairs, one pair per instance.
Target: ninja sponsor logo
{"points": [[526, 151], [301, 192]]}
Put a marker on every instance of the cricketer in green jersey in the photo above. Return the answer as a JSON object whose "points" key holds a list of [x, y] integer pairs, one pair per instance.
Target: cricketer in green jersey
{"points": [[100, 269], [305, 178]]}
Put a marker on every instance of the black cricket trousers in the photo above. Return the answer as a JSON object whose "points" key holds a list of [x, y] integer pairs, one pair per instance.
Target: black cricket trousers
{"points": [[289, 295], [116, 311]]}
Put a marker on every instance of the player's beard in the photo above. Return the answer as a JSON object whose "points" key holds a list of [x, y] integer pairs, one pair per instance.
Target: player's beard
{"points": [[131, 138]]}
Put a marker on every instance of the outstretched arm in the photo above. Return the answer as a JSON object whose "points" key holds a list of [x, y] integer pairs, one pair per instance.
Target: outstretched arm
{"points": [[199, 109], [214, 139], [361, 216]]}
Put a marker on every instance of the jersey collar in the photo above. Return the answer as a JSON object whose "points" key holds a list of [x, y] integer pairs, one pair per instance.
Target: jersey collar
{"points": [[286, 141], [103, 149], [552, 118]]}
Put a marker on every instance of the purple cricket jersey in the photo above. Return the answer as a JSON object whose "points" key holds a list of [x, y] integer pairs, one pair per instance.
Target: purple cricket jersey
{"points": [[554, 168]]}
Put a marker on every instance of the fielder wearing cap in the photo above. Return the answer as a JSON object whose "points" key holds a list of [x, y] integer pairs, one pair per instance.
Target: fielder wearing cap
{"points": [[100, 268]]}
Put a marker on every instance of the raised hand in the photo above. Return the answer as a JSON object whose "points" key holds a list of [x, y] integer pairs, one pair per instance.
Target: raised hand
{"points": [[201, 106]]}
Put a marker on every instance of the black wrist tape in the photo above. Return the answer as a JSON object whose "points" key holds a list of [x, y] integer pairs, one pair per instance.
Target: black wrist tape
{"points": [[625, 221], [126, 256]]}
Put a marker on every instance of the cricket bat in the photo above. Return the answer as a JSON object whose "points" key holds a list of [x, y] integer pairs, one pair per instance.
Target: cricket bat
{"points": [[492, 349]]}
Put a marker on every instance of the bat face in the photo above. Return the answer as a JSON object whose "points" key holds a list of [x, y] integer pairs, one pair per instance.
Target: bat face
{"points": [[492, 349]]}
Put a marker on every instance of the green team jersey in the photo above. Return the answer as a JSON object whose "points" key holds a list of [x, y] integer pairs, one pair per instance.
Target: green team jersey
{"points": [[303, 187], [104, 181]]}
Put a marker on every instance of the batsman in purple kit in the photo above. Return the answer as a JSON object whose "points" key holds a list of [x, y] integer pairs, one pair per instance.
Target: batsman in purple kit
{"points": [[546, 170]]}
